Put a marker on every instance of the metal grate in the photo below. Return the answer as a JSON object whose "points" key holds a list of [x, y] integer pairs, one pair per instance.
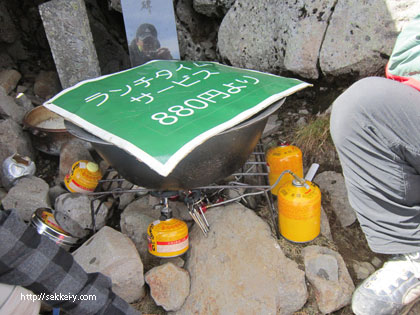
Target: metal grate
{"points": [[252, 178]]}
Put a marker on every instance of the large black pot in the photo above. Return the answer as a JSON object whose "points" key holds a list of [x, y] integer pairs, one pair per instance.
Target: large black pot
{"points": [[211, 161]]}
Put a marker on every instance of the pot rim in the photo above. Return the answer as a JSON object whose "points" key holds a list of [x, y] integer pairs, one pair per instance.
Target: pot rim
{"points": [[79, 132], [30, 126]]}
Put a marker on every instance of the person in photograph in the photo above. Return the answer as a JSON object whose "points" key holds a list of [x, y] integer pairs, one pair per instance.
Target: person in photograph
{"points": [[146, 46]]}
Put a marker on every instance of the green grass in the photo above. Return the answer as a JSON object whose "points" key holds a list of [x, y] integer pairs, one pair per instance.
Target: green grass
{"points": [[315, 138]]}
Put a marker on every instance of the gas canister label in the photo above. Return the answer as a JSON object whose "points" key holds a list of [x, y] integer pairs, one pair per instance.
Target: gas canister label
{"points": [[173, 246]]}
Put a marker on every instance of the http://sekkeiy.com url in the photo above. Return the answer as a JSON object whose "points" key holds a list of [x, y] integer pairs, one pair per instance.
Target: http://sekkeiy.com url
{"points": [[57, 297]]}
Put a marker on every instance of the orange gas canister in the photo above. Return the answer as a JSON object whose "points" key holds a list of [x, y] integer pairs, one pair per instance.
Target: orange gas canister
{"points": [[281, 158], [83, 177], [168, 238], [299, 211]]}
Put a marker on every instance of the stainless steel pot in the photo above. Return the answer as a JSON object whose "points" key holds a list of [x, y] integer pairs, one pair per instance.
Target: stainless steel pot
{"points": [[213, 160]]}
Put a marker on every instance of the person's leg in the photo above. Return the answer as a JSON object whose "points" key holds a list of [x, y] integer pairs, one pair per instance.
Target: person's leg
{"points": [[375, 126]]}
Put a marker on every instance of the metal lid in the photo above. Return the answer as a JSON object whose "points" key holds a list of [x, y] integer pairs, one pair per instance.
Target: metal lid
{"points": [[92, 167], [43, 220]]}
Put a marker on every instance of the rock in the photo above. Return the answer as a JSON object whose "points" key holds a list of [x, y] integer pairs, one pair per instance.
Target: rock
{"points": [[67, 27], [363, 269], [196, 33], [8, 31], [9, 108], [113, 254], [250, 202], [177, 261], [9, 79], [71, 226], [71, 152], [77, 210], [134, 223], [376, 262], [361, 39], [112, 54], [331, 292], [3, 194], [325, 225], [306, 37], [6, 62], [13, 140], [301, 122], [115, 4], [272, 126], [47, 84], [296, 31], [213, 7], [229, 278], [56, 191], [179, 209], [117, 186], [169, 286], [333, 183], [28, 194], [323, 266], [125, 199], [19, 52], [21, 89], [24, 102]]}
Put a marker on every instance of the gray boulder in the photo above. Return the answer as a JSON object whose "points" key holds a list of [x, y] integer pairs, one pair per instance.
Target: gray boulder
{"points": [[67, 28], [47, 84], [76, 217], [196, 33], [8, 31], [363, 269], [213, 7], [359, 40], [113, 254], [169, 286], [28, 194], [71, 152], [274, 36], [9, 79], [134, 223], [308, 36], [240, 262], [328, 274], [9, 108], [333, 183]]}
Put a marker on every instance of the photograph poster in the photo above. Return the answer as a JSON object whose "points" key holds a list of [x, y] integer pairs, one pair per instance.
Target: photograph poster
{"points": [[151, 30]]}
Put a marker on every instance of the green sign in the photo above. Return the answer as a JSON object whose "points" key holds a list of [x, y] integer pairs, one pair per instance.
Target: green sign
{"points": [[162, 110]]}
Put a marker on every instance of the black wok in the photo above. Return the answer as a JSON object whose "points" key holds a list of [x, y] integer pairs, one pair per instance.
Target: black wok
{"points": [[213, 160]]}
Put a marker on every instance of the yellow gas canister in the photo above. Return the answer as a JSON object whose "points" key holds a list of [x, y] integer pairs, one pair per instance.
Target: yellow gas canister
{"points": [[168, 238], [281, 158], [299, 211], [83, 177]]}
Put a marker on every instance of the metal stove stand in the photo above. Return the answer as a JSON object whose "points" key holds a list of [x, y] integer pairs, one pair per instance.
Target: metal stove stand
{"points": [[250, 180]]}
